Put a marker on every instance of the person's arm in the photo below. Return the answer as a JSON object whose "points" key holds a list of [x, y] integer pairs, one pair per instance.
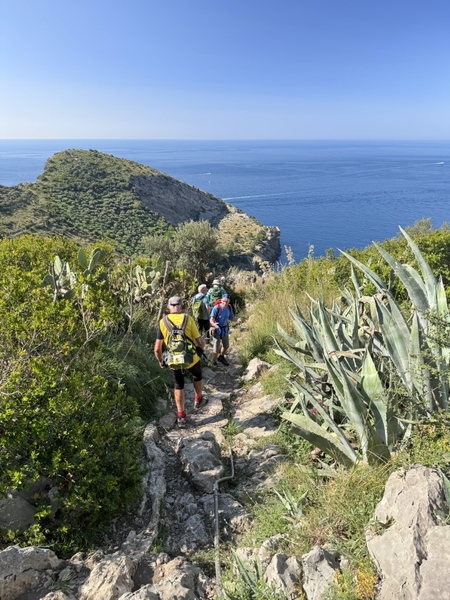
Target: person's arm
{"points": [[158, 353], [232, 317], [158, 348], [200, 342]]}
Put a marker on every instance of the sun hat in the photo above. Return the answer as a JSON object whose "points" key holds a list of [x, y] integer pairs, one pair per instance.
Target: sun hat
{"points": [[174, 301], [216, 282]]}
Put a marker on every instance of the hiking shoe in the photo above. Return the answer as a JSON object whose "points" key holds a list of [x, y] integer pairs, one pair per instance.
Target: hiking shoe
{"points": [[181, 422], [201, 403], [223, 360]]}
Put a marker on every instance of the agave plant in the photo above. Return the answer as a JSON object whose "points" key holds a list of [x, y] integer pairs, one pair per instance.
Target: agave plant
{"points": [[356, 365]]}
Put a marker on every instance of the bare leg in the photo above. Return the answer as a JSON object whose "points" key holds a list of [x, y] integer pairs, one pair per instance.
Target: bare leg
{"points": [[179, 400], [198, 387]]}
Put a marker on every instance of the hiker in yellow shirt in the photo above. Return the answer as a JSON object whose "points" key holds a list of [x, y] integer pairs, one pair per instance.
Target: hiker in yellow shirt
{"points": [[176, 317]]}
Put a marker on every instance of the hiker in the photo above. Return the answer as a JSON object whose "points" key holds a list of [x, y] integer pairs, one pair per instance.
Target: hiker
{"points": [[216, 292], [176, 318], [201, 309], [220, 315]]}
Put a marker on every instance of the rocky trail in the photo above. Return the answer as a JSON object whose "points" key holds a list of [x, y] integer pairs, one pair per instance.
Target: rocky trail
{"points": [[165, 548], [151, 553]]}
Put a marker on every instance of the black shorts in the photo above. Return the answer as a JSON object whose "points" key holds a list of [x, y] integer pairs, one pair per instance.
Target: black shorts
{"points": [[178, 375], [203, 325]]}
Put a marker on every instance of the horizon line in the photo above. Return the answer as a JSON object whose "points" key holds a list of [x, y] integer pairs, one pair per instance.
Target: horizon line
{"points": [[132, 139]]}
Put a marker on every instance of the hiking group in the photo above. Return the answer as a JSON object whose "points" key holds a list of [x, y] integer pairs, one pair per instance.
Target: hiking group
{"points": [[179, 343]]}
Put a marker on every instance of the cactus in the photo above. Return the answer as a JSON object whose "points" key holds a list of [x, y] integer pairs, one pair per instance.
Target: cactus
{"points": [[61, 279], [96, 256], [145, 282]]}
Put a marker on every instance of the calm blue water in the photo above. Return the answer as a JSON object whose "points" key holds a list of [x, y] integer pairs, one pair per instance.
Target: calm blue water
{"points": [[329, 194]]}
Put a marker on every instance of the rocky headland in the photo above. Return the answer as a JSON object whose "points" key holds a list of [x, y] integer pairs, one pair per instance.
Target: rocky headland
{"points": [[88, 195]]}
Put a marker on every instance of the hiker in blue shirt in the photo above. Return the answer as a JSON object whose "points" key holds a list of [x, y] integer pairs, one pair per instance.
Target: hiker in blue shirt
{"points": [[220, 315]]}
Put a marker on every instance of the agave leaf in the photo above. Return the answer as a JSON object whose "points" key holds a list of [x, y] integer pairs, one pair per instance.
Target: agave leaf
{"points": [[356, 342], [419, 373], [384, 420], [320, 366], [314, 434], [246, 572], [445, 486], [415, 274], [348, 353], [378, 283], [305, 332], [373, 447], [338, 316], [281, 351], [396, 338], [298, 345], [329, 338], [441, 299], [299, 394], [427, 273], [416, 290], [355, 280], [328, 421], [347, 295]]}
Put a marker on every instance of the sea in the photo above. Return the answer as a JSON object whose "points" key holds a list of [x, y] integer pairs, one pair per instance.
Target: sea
{"points": [[321, 194]]}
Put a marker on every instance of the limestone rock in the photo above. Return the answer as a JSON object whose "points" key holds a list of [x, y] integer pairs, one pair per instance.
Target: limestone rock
{"points": [[177, 579], [434, 583], [201, 460], [16, 512], [110, 578], [24, 569], [284, 574], [411, 552], [319, 567], [254, 369], [233, 517]]}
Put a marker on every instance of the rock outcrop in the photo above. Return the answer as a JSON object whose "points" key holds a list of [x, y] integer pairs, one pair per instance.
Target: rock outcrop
{"points": [[410, 542], [177, 201]]}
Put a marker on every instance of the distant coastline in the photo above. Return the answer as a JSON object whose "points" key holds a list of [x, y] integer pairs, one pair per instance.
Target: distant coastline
{"points": [[328, 194]]}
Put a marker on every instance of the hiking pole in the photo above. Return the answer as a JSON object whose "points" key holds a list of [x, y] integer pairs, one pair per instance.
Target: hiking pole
{"points": [[203, 356], [163, 292], [216, 523]]}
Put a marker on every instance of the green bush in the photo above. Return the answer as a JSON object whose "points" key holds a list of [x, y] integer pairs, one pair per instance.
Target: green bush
{"points": [[61, 420]]}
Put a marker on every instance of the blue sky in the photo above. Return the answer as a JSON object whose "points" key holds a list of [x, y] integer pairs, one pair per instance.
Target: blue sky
{"points": [[173, 69]]}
